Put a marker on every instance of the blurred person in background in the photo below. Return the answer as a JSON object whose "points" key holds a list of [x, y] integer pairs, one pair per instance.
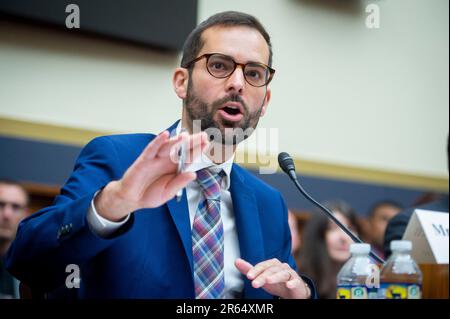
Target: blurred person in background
{"points": [[430, 201], [325, 247], [396, 227], [379, 215], [13, 208]]}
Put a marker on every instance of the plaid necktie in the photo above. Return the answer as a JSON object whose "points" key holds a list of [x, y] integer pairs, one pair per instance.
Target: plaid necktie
{"points": [[207, 238]]}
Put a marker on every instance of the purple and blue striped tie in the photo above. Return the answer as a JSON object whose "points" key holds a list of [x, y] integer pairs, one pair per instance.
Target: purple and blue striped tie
{"points": [[207, 238]]}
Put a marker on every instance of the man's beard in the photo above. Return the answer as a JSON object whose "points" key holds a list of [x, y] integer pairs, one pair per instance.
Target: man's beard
{"points": [[201, 111]]}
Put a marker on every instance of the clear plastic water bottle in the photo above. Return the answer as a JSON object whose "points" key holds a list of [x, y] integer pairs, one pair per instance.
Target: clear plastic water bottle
{"points": [[359, 277], [401, 278]]}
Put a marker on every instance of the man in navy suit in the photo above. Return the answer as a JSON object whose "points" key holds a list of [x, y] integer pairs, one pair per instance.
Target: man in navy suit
{"points": [[116, 230]]}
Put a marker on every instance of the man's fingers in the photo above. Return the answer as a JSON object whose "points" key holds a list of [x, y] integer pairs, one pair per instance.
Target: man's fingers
{"points": [[243, 266], [171, 146], [293, 283], [146, 169], [259, 268], [194, 144], [153, 147], [163, 146], [268, 273], [154, 163], [281, 275], [178, 182], [263, 277]]}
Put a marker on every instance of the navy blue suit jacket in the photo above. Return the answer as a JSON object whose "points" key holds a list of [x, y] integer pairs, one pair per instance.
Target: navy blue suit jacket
{"points": [[151, 255]]}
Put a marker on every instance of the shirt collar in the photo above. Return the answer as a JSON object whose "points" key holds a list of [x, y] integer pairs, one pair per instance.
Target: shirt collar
{"points": [[204, 161]]}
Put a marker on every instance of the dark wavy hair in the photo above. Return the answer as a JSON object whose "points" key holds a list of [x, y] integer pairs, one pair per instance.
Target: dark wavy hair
{"points": [[314, 259]]}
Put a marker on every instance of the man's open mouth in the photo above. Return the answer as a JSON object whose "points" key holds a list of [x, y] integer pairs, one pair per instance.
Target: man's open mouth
{"points": [[232, 112]]}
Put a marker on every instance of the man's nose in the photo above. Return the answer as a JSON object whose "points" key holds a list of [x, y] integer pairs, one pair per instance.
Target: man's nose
{"points": [[236, 81], [7, 212]]}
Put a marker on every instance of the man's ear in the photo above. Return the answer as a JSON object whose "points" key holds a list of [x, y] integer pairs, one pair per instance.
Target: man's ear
{"points": [[266, 101], [180, 82]]}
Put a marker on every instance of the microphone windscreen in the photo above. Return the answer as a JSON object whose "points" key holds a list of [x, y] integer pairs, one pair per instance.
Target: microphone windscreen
{"points": [[286, 163]]}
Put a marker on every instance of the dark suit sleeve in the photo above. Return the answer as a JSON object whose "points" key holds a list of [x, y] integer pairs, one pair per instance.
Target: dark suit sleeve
{"points": [[311, 286], [59, 235], [290, 258]]}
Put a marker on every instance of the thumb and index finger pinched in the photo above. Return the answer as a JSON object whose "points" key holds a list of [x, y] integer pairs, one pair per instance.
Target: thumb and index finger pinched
{"points": [[160, 157]]}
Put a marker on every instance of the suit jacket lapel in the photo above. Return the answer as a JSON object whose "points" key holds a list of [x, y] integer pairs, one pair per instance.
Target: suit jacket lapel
{"points": [[179, 212], [247, 224], [173, 129]]}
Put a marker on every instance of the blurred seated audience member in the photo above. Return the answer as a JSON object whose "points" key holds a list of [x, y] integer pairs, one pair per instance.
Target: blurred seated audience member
{"points": [[13, 208], [379, 215], [325, 247], [397, 225], [427, 198], [295, 237], [428, 201]]}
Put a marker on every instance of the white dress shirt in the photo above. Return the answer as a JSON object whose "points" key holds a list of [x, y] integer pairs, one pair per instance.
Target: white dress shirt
{"points": [[234, 283]]}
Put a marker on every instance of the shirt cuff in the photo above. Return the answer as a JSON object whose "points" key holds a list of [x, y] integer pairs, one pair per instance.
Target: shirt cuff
{"points": [[100, 225]]}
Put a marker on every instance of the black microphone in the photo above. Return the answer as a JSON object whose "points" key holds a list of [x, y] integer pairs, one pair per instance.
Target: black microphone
{"points": [[287, 165]]}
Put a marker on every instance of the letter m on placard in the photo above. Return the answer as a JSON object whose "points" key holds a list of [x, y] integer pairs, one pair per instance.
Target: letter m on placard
{"points": [[440, 230]]}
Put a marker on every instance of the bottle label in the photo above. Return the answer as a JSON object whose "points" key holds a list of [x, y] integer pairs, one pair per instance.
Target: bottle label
{"points": [[400, 291], [356, 292]]}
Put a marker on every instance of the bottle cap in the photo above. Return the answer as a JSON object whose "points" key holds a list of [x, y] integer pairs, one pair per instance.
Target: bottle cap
{"points": [[359, 248], [401, 245]]}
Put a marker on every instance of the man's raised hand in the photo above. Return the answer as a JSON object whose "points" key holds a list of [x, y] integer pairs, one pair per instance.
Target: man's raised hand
{"points": [[152, 179]]}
